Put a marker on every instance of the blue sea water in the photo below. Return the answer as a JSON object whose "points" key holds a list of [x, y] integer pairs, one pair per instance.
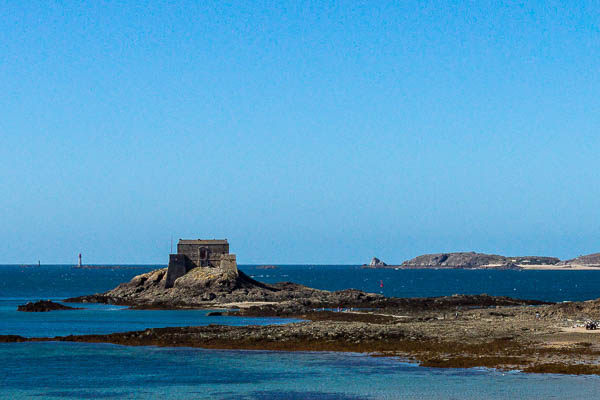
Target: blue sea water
{"points": [[524, 284], [104, 371], [101, 319], [55, 370], [61, 281]]}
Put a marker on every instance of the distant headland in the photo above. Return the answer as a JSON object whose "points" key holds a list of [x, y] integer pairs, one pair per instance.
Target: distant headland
{"points": [[472, 260]]}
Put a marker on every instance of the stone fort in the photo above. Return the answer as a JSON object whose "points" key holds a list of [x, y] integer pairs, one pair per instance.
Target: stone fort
{"points": [[199, 253]]}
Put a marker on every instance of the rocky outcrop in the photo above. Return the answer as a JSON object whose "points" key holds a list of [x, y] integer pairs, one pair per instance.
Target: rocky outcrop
{"points": [[44, 306], [376, 262], [205, 287], [474, 260], [590, 260]]}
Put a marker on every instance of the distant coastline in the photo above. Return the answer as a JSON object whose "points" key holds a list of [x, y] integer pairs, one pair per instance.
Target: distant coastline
{"points": [[542, 267], [473, 260]]}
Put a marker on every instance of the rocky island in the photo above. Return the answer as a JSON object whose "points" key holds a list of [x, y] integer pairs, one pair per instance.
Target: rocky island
{"points": [[204, 275], [473, 260], [450, 331]]}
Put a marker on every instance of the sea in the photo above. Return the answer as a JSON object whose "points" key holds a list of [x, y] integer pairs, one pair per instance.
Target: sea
{"points": [[58, 370]]}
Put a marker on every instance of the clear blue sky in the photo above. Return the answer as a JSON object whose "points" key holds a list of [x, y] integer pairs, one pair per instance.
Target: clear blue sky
{"points": [[305, 132]]}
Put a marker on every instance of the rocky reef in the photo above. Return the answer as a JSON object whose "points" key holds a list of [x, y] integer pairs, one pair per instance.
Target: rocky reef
{"points": [[44, 306], [434, 332]]}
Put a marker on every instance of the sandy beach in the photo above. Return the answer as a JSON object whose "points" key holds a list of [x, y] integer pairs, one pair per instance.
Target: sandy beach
{"points": [[570, 267]]}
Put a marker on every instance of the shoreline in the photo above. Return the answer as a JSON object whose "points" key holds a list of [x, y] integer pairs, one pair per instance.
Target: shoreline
{"points": [[504, 356]]}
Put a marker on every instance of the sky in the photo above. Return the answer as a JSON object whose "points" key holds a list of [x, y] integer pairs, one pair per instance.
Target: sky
{"points": [[303, 131]]}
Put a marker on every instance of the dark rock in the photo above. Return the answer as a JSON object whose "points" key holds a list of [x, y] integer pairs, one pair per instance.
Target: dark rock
{"points": [[214, 314], [43, 306], [591, 325], [12, 339], [376, 262]]}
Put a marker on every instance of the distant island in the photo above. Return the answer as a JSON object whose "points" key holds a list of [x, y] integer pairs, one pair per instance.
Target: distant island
{"points": [[267, 267], [473, 260]]}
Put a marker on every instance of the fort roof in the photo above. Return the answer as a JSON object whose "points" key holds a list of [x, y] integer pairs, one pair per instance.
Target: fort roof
{"points": [[201, 241]]}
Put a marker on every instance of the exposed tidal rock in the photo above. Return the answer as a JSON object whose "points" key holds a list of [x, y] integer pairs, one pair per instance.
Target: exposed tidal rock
{"points": [[529, 339], [44, 306], [347, 299]]}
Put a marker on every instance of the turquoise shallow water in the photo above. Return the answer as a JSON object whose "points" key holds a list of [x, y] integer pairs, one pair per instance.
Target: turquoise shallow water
{"points": [[103, 371], [100, 319], [91, 371]]}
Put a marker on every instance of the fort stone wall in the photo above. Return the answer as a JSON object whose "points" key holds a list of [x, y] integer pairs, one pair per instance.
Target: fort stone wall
{"points": [[210, 254]]}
